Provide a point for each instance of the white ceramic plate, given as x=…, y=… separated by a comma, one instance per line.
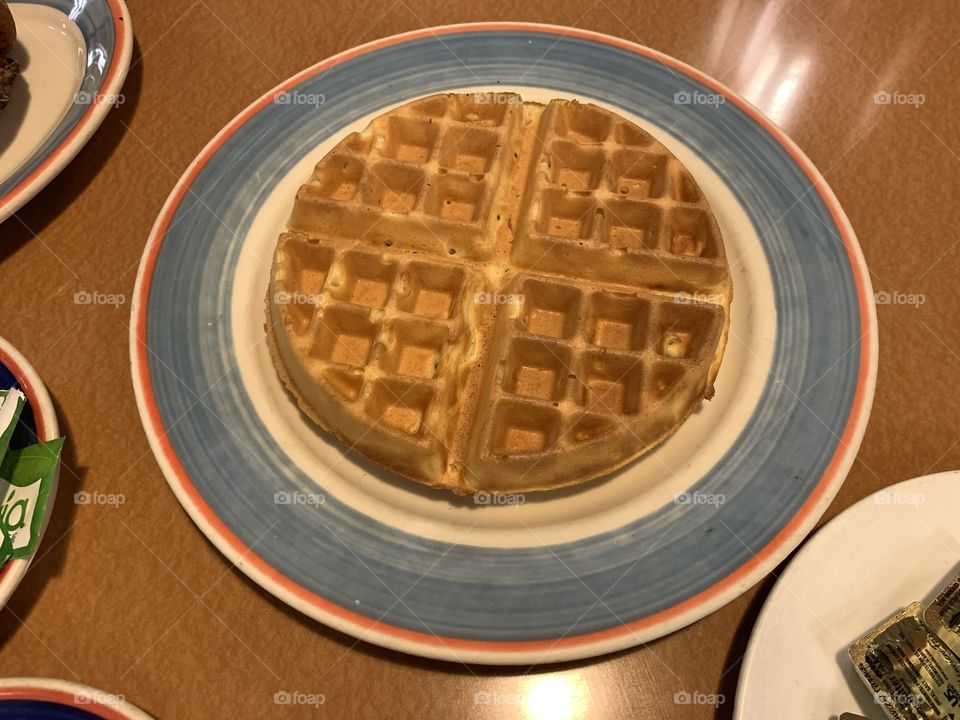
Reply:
x=74, y=57
x=566, y=574
x=898, y=545
x=52, y=53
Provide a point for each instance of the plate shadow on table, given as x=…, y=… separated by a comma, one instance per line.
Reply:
x=741, y=637
x=70, y=183
x=52, y=553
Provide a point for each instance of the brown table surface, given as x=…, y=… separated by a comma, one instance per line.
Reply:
x=135, y=601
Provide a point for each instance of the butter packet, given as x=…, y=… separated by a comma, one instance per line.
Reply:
x=943, y=616
x=913, y=674
x=26, y=477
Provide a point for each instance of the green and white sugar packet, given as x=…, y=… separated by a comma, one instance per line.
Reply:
x=26, y=476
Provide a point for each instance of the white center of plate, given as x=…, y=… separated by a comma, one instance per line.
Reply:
x=52, y=57
x=641, y=487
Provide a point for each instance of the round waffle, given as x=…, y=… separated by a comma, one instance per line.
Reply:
x=484, y=294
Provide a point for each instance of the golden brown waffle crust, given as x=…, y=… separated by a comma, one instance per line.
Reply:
x=307, y=409
x=500, y=296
